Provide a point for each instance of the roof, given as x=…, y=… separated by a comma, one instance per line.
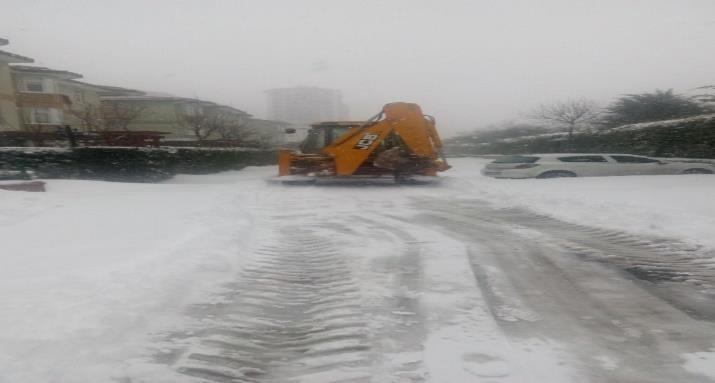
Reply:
x=145, y=97
x=237, y=111
x=149, y=97
x=116, y=91
x=302, y=89
x=97, y=88
x=67, y=75
x=13, y=58
x=270, y=121
x=158, y=94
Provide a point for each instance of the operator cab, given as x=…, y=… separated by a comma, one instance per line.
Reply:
x=322, y=134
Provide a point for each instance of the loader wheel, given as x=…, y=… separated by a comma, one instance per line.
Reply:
x=556, y=174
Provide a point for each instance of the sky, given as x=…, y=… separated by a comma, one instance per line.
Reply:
x=468, y=63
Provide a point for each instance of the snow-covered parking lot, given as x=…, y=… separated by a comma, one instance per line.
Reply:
x=225, y=278
x=672, y=206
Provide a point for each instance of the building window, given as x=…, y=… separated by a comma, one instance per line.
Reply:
x=41, y=116
x=34, y=86
x=44, y=116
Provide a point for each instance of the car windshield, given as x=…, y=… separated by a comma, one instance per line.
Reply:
x=526, y=193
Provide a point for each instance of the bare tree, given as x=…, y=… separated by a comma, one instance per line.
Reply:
x=118, y=116
x=570, y=113
x=201, y=123
x=110, y=116
x=35, y=132
x=204, y=119
x=90, y=118
x=230, y=128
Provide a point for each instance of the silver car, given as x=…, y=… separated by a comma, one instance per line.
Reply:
x=588, y=165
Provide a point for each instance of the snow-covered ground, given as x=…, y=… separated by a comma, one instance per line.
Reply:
x=88, y=268
x=97, y=279
x=673, y=206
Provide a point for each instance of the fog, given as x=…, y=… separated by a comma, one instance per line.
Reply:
x=469, y=63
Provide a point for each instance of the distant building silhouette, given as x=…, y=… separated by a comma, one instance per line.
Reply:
x=303, y=106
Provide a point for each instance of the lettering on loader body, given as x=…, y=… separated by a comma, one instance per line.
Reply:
x=366, y=141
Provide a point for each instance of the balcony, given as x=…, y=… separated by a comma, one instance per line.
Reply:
x=43, y=100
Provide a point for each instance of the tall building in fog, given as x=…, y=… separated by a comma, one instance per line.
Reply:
x=303, y=106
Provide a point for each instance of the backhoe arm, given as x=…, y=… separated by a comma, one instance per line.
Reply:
x=404, y=119
x=352, y=149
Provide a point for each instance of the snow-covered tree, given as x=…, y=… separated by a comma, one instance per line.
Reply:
x=646, y=107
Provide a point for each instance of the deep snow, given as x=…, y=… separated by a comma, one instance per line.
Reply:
x=89, y=271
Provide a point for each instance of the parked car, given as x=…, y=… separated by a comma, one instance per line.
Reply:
x=588, y=165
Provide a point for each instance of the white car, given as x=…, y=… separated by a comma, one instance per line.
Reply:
x=588, y=165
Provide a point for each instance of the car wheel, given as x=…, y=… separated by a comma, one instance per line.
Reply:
x=556, y=174
x=697, y=171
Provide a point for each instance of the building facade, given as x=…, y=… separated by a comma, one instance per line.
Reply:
x=37, y=104
x=9, y=116
x=176, y=117
x=50, y=99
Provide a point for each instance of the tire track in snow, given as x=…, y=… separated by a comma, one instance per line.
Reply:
x=451, y=337
x=397, y=320
x=293, y=315
x=682, y=269
x=575, y=278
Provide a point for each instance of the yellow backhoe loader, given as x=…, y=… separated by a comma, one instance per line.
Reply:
x=399, y=144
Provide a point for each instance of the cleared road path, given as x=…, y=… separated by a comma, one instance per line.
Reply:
x=427, y=285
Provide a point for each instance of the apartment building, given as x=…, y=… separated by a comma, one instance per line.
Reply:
x=9, y=117
x=49, y=99
x=36, y=101
x=174, y=116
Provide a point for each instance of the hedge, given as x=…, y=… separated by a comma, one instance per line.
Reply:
x=130, y=164
x=693, y=139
